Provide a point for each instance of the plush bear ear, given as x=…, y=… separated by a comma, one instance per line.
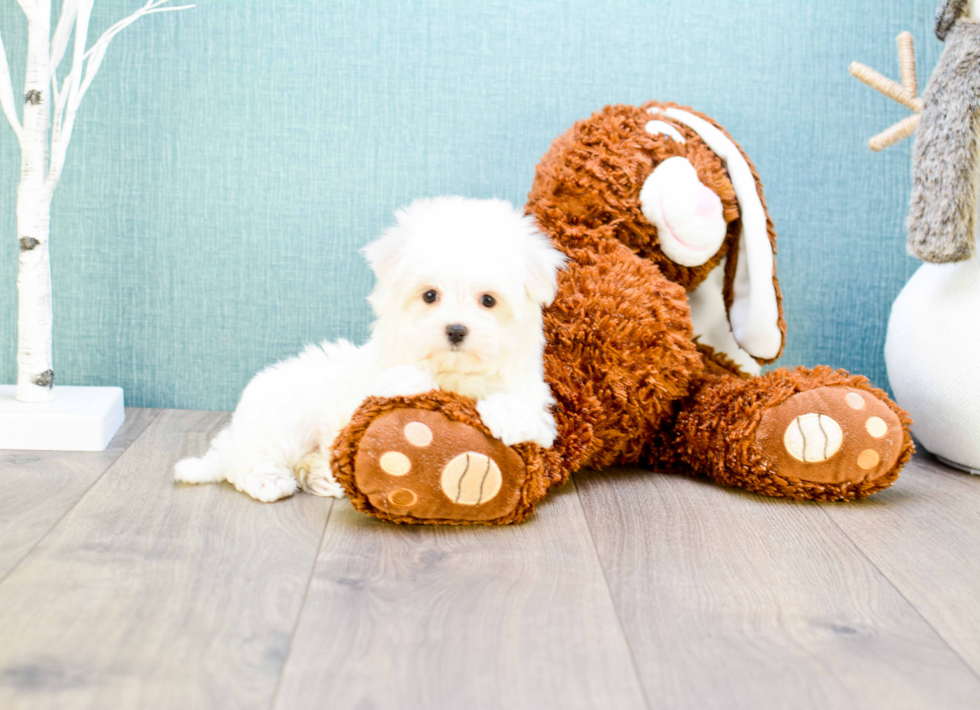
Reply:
x=542, y=262
x=751, y=289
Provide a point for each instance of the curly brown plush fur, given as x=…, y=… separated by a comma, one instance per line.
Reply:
x=619, y=353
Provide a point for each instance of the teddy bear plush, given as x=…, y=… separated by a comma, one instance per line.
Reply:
x=666, y=312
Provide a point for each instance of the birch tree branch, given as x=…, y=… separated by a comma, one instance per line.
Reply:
x=81, y=12
x=7, y=93
x=95, y=55
x=59, y=42
x=29, y=7
x=85, y=65
x=83, y=15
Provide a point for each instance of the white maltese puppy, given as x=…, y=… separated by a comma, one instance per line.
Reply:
x=460, y=288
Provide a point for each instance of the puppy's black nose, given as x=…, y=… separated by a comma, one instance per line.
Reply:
x=456, y=332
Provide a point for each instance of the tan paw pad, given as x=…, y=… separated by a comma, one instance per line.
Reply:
x=876, y=427
x=471, y=479
x=395, y=463
x=402, y=498
x=812, y=438
x=868, y=458
x=418, y=434
x=854, y=400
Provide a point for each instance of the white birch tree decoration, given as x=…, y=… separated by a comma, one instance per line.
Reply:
x=49, y=111
x=81, y=418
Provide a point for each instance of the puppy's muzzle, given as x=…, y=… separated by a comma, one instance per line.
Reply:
x=456, y=332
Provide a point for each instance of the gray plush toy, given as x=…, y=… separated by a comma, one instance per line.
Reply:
x=942, y=216
x=933, y=346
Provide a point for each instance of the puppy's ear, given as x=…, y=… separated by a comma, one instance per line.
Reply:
x=382, y=254
x=542, y=263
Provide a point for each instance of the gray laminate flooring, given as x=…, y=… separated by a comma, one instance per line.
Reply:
x=627, y=589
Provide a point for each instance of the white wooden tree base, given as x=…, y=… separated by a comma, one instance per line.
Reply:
x=78, y=419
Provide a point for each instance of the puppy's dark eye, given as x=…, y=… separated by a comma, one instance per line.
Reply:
x=430, y=296
x=488, y=301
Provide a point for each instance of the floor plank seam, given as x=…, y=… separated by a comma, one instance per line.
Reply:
x=302, y=608
x=900, y=593
x=82, y=497
x=612, y=600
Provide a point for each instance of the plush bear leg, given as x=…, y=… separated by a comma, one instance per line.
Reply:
x=430, y=460
x=813, y=434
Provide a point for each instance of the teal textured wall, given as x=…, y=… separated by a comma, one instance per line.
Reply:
x=230, y=160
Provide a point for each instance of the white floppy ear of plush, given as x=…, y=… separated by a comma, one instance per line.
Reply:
x=754, y=314
x=542, y=263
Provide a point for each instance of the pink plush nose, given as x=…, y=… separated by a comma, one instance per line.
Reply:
x=708, y=204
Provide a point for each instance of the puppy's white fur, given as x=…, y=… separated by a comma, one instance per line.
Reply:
x=462, y=249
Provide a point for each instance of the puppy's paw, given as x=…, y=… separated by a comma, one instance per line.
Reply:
x=314, y=476
x=267, y=483
x=514, y=419
x=403, y=381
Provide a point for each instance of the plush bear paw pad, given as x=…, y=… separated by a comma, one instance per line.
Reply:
x=471, y=479
x=832, y=434
x=415, y=463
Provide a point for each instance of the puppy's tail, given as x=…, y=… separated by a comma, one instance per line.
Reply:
x=203, y=470
x=209, y=468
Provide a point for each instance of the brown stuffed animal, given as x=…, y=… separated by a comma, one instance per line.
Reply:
x=665, y=313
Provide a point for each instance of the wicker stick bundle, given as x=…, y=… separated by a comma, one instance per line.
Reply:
x=905, y=93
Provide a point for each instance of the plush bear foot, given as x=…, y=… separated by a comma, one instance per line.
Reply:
x=831, y=435
x=808, y=434
x=431, y=464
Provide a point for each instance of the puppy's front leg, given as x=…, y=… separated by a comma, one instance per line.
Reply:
x=403, y=381
x=516, y=418
x=314, y=475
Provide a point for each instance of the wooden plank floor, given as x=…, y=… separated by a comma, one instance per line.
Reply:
x=628, y=589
